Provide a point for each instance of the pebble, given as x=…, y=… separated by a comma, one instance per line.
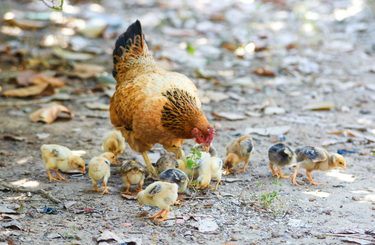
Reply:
x=297, y=235
x=373, y=207
x=300, y=182
x=275, y=234
x=312, y=199
x=126, y=225
x=321, y=236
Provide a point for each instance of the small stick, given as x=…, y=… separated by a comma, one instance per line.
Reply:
x=37, y=191
x=351, y=236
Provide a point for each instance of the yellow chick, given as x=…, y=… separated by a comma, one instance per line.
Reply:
x=209, y=168
x=314, y=158
x=60, y=157
x=114, y=142
x=165, y=162
x=238, y=151
x=159, y=194
x=132, y=172
x=99, y=169
x=280, y=155
x=182, y=163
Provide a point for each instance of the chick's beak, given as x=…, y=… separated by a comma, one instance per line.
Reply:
x=140, y=205
x=207, y=149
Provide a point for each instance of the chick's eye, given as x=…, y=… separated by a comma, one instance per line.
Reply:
x=340, y=162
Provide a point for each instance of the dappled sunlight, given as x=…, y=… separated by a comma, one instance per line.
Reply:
x=24, y=160
x=340, y=176
x=353, y=9
x=370, y=198
x=359, y=192
x=26, y=183
x=317, y=193
x=78, y=152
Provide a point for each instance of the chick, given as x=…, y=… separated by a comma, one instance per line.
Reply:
x=209, y=169
x=159, y=194
x=238, y=151
x=99, y=168
x=211, y=150
x=114, y=142
x=132, y=172
x=176, y=176
x=165, y=162
x=182, y=163
x=60, y=157
x=280, y=155
x=314, y=158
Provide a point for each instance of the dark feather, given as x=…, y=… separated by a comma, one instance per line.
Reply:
x=155, y=190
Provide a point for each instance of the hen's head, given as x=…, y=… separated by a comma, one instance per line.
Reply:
x=204, y=137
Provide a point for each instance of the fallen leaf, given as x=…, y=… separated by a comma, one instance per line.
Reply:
x=14, y=138
x=253, y=114
x=107, y=236
x=274, y=110
x=86, y=71
x=69, y=204
x=263, y=72
x=35, y=90
x=330, y=142
x=43, y=135
x=229, y=116
x=49, y=114
x=23, y=78
x=64, y=54
x=130, y=197
x=216, y=96
x=231, y=180
x=5, y=209
x=42, y=78
x=54, y=4
x=353, y=230
x=12, y=216
x=126, y=225
x=278, y=130
x=346, y=133
x=320, y=105
x=259, y=107
x=97, y=106
x=14, y=224
x=357, y=241
x=24, y=23
x=207, y=225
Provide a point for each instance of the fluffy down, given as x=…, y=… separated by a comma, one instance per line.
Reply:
x=238, y=150
x=280, y=155
x=99, y=169
x=132, y=173
x=176, y=176
x=209, y=169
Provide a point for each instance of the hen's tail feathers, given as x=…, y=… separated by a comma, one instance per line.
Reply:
x=130, y=46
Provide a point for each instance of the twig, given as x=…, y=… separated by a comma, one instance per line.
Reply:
x=351, y=236
x=37, y=191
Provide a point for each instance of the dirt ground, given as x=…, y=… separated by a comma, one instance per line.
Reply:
x=341, y=210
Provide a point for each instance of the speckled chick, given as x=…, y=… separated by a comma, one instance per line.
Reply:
x=314, y=158
x=99, y=169
x=165, y=162
x=209, y=169
x=159, y=194
x=132, y=172
x=60, y=157
x=176, y=176
x=238, y=150
x=280, y=155
x=114, y=142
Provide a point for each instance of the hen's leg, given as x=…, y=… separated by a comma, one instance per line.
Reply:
x=51, y=177
x=312, y=182
x=58, y=175
x=293, y=179
x=150, y=168
x=281, y=175
x=157, y=215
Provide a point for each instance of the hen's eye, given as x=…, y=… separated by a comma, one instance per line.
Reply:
x=201, y=136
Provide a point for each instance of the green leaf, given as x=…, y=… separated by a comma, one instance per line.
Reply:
x=190, y=164
x=54, y=4
x=190, y=49
x=199, y=154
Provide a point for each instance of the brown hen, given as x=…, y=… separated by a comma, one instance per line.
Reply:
x=151, y=105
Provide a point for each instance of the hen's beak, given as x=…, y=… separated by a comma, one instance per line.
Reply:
x=140, y=205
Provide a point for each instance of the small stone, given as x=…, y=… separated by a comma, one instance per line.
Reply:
x=373, y=207
x=321, y=236
x=157, y=222
x=312, y=199
x=297, y=235
x=142, y=214
x=275, y=234
x=300, y=182
x=107, y=226
x=75, y=243
x=233, y=239
x=356, y=199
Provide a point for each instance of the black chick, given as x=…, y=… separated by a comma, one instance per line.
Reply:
x=280, y=155
x=175, y=176
x=165, y=162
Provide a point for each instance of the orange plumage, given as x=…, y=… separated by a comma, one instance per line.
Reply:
x=151, y=105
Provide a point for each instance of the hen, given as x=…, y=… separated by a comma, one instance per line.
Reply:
x=151, y=105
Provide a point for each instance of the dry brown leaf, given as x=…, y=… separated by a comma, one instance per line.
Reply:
x=97, y=106
x=41, y=78
x=35, y=90
x=346, y=133
x=228, y=115
x=86, y=71
x=24, y=78
x=0, y=89
x=26, y=24
x=49, y=114
x=229, y=46
x=263, y=72
x=320, y=105
x=253, y=114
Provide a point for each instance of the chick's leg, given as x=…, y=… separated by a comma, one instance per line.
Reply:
x=150, y=168
x=140, y=187
x=312, y=182
x=51, y=177
x=281, y=175
x=273, y=170
x=215, y=188
x=157, y=215
x=96, y=186
x=243, y=169
x=105, y=188
x=166, y=214
x=127, y=183
x=293, y=179
x=58, y=175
